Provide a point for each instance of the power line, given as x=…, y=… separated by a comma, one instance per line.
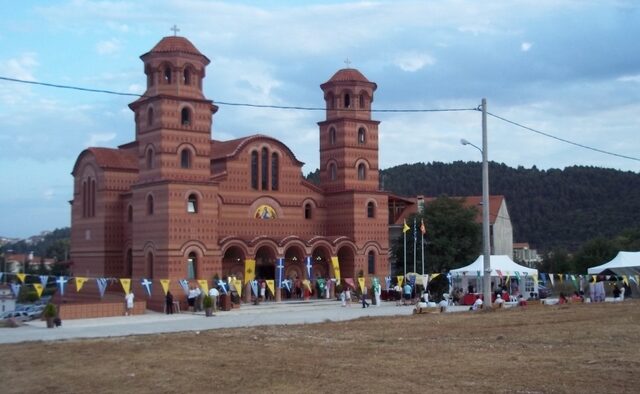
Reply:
x=300, y=108
x=562, y=139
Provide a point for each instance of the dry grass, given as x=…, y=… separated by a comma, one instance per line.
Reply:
x=576, y=348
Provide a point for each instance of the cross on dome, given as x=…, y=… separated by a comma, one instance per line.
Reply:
x=347, y=62
x=175, y=30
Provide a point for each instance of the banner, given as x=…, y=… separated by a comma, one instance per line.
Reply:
x=204, y=285
x=21, y=277
x=126, y=285
x=165, y=285
x=80, y=282
x=146, y=283
x=254, y=287
x=185, y=286
x=237, y=284
x=15, y=288
x=400, y=278
x=361, y=283
x=287, y=285
x=279, y=272
x=61, y=281
x=336, y=267
x=433, y=276
x=39, y=288
x=271, y=285
x=43, y=279
x=222, y=286
x=551, y=279
x=309, y=268
x=249, y=270
x=625, y=280
x=102, y=285
x=387, y=282
x=306, y=283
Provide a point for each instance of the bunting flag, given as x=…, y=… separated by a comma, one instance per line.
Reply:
x=412, y=280
x=625, y=280
x=204, y=285
x=80, y=282
x=449, y=276
x=543, y=278
x=508, y=280
x=425, y=280
x=336, y=267
x=517, y=276
x=249, y=270
x=146, y=283
x=222, y=286
x=350, y=283
x=361, y=283
x=320, y=283
x=21, y=277
x=405, y=228
x=309, y=268
x=575, y=281
x=400, y=278
x=423, y=229
x=61, y=281
x=279, y=273
x=43, y=279
x=535, y=278
x=39, y=289
x=254, y=287
x=287, y=284
x=1, y=273
x=271, y=286
x=185, y=286
x=433, y=276
x=560, y=278
x=499, y=272
x=102, y=286
x=637, y=279
x=165, y=285
x=551, y=280
x=594, y=278
x=306, y=283
x=376, y=284
x=15, y=288
x=387, y=282
x=126, y=285
x=237, y=284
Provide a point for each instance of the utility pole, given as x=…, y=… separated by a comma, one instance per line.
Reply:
x=485, y=211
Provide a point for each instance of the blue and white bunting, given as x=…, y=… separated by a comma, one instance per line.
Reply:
x=279, y=273
x=102, y=285
x=254, y=287
x=185, y=286
x=15, y=288
x=387, y=282
x=309, y=268
x=287, y=284
x=146, y=283
x=43, y=280
x=222, y=286
x=61, y=281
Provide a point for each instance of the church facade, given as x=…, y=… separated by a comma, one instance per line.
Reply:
x=177, y=204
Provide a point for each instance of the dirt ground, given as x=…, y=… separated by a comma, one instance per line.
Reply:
x=590, y=348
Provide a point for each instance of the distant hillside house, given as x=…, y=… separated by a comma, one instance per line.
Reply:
x=501, y=231
x=523, y=254
x=17, y=263
x=7, y=300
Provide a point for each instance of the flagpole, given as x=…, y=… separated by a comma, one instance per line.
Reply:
x=405, y=250
x=415, y=239
x=422, y=243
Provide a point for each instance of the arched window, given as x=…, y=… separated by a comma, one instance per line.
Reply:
x=371, y=260
x=149, y=205
x=332, y=171
x=185, y=116
x=361, y=100
x=150, y=77
x=167, y=75
x=371, y=210
x=192, y=266
x=362, y=172
x=129, y=269
x=307, y=211
x=362, y=135
x=347, y=101
x=150, y=116
x=192, y=203
x=274, y=171
x=149, y=267
x=92, y=198
x=265, y=169
x=186, y=76
x=185, y=158
x=85, y=199
x=332, y=136
x=149, y=158
x=332, y=102
x=254, y=170
x=130, y=214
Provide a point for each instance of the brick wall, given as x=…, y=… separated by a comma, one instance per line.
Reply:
x=100, y=309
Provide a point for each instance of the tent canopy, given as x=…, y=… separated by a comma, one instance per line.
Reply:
x=625, y=263
x=504, y=264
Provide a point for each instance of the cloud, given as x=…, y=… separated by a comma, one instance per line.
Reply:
x=21, y=67
x=48, y=194
x=98, y=139
x=629, y=78
x=525, y=46
x=413, y=61
x=108, y=47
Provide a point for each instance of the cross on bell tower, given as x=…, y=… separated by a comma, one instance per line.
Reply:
x=175, y=30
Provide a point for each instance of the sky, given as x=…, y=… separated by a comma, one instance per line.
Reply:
x=568, y=68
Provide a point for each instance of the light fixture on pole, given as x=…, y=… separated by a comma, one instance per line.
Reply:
x=486, y=242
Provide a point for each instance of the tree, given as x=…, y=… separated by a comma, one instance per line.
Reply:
x=453, y=238
x=595, y=252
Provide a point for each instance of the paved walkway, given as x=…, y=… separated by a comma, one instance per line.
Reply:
x=302, y=312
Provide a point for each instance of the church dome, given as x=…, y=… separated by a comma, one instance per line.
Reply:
x=348, y=75
x=175, y=44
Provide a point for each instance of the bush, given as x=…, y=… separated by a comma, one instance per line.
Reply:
x=207, y=302
x=50, y=311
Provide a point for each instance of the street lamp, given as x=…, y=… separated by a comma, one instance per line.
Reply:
x=486, y=242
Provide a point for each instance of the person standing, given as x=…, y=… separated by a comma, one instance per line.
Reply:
x=169, y=303
x=377, y=291
x=191, y=299
x=365, y=304
x=128, y=299
x=263, y=291
x=347, y=295
x=343, y=297
x=407, y=293
x=214, y=293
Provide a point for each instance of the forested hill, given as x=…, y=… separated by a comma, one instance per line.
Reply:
x=548, y=208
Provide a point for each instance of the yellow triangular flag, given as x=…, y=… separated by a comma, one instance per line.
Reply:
x=307, y=284
x=21, y=277
x=400, y=278
x=361, y=282
x=625, y=280
x=336, y=267
x=405, y=228
x=126, y=285
x=560, y=278
x=204, y=285
x=535, y=278
x=80, y=282
x=595, y=278
x=39, y=288
x=270, y=285
x=165, y=285
x=249, y=270
x=237, y=283
x=433, y=276
x=637, y=280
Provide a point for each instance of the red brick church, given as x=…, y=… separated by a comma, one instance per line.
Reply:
x=175, y=203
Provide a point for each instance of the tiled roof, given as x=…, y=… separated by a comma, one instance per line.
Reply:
x=348, y=75
x=495, y=202
x=175, y=44
x=114, y=158
x=226, y=149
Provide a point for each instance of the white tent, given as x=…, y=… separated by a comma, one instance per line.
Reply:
x=625, y=263
x=504, y=264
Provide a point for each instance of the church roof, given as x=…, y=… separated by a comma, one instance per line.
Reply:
x=114, y=158
x=225, y=149
x=348, y=75
x=175, y=44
